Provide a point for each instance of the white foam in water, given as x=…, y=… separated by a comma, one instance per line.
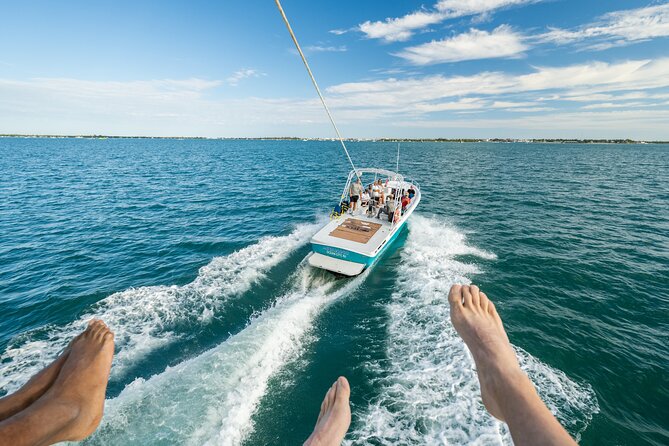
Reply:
x=211, y=399
x=143, y=318
x=429, y=392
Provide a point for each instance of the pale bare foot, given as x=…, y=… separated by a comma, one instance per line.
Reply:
x=32, y=390
x=476, y=320
x=334, y=418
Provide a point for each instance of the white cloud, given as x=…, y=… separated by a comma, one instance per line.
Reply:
x=242, y=74
x=638, y=124
x=472, y=45
x=461, y=104
x=187, y=107
x=598, y=77
x=530, y=109
x=587, y=97
x=460, y=8
x=150, y=108
x=616, y=28
x=395, y=29
x=400, y=28
x=509, y=104
x=619, y=105
x=325, y=49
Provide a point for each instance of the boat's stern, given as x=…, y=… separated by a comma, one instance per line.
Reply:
x=339, y=266
x=336, y=247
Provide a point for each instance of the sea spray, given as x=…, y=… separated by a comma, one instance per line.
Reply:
x=144, y=319
x=211, y=399
x=428, y=392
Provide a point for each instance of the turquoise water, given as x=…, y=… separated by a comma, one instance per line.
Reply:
x=193, y=252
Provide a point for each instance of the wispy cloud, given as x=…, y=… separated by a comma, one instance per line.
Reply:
x=394, y=29
x=476, y=44
x=325, y=49
x=511, y=104
x=242, y=74
x=615, y=29
x=603, y=124
x=545, y=98
x=597, y=77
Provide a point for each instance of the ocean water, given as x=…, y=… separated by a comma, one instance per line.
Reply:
x=193, y=252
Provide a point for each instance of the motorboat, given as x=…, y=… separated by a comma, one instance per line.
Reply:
x=354, y=239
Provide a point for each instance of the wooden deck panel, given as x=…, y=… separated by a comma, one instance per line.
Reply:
x=356, y=230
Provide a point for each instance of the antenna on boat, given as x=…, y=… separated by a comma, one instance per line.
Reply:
x=318, y=90
x=398, y=157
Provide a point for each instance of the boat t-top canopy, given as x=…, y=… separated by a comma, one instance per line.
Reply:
x=382, y=172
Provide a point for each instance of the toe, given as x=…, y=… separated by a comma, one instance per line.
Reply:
x=343, y=389
x=467, y=297
x=103, y=332
x=491, y=308
x=485, y=302
x=108, y=336
x=476, y=298
x=97, y=332
x=455, y=296
x=329, y=398
x=91, y=327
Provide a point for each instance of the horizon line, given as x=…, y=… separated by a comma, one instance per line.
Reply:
x=379, y=139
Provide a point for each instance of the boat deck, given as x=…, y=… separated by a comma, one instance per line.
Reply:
x=356, y=230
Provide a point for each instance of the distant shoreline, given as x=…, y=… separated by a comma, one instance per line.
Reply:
x=295, y=138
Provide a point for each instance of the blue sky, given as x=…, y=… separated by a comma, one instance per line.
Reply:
x=443, y=68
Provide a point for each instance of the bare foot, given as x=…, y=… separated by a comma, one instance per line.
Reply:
x=334, y=418
x=476, y=320
x=82, y=382
x=33, y=389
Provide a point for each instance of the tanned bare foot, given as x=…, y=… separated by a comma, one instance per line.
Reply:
x=71, y=408
x=82, y=381
x=33, y=389
x=334, y=418
x=476, y=320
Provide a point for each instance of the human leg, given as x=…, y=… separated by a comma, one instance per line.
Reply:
x=32, y=390
x=507, y=392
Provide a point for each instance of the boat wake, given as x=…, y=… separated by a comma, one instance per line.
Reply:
x=427, y=387
x=146, y=318
x=211, y=399
x=428, y=392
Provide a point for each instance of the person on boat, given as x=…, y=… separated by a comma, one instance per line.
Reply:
x=364, y=199
x=355, y=192
x=64, y=401
x=412, y=193
x=388, y=208
x=405, y=201
x=378, y=192
x=506, y=391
